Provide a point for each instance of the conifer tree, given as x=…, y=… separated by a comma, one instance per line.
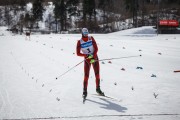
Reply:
x=106, y=6
x=62, y=8
x=88, y=9
x=22, y=3
x=60, y=12
x=38, y=10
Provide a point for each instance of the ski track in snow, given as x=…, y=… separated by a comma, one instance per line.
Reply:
x=2, y=103
x=139, y=116
x=6, y=103
x=9, y=103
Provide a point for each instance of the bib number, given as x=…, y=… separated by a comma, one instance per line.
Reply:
x=88, y=50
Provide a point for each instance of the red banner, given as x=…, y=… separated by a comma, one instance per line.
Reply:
x=173, y=23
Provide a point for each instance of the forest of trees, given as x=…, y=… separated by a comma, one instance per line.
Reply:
x=88, y=12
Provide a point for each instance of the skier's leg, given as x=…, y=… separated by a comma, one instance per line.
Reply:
x=96, y=72
x=87, y=67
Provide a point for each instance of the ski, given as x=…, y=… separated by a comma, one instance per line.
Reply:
x=105, y=96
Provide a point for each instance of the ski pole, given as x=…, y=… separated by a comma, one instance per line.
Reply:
x=95, y=61
x=118, y=58
x=70, y=69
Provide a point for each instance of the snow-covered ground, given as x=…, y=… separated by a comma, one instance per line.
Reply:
x=29, y=90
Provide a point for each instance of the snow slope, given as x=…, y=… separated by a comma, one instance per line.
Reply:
x=29, y=90
x=139, y=30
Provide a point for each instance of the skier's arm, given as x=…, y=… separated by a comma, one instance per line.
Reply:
x=78, y=50
x=95, y=47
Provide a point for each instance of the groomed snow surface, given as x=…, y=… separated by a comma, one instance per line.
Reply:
x=143, y=87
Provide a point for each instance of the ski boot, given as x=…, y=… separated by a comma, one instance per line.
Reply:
x=98, y=90
x=84, y=96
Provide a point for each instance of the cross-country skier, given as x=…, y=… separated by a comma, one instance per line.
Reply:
x=87, y=48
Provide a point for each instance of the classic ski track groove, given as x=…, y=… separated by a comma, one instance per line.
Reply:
x=3, y=102
x=9, y=102
x=96, y=116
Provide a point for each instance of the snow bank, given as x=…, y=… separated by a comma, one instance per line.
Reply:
x=140, y=30
x=3, y=31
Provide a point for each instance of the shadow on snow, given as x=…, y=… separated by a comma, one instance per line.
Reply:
x=109, y=105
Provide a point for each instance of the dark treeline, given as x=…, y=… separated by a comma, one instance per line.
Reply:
x=94, y=14
x=18, y=2
x=10, y=2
